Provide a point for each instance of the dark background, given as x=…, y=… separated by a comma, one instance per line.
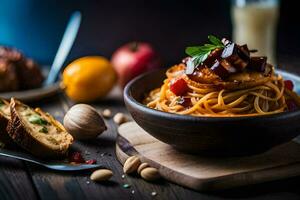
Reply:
x=167, y=24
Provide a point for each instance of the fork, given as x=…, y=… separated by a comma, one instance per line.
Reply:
x=48, y=164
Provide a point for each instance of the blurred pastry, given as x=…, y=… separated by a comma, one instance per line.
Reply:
x=18, y=72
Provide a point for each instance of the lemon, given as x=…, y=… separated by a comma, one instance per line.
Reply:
x=88, y=78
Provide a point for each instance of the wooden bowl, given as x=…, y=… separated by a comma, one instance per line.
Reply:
x=208, y=135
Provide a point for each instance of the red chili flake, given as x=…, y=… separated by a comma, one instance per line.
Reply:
x=76, y=157
x=91, y=161
x=184, y=101
x=291, y=105
x=179, y=87
x=288, y=84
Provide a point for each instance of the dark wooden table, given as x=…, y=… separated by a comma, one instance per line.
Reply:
x=21, y=180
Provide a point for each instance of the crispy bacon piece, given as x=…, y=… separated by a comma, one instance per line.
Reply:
x=204, y=75
x=220, y=69
x=236, y=56
x=224, y=65
x=91, y=161
x=213, y=56
x=258, y=63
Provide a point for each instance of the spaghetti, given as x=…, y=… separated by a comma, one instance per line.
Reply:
x=222, y=79
x=265, y=95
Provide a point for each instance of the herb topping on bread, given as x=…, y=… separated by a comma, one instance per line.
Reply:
x=37, y=132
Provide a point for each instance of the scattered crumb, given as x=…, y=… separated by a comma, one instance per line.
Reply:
x=120, y=118
x=91, y=161
x=123, y=176
x=106, y=113
x=132, y=191
x=153, y=193
x=88, y=182
x=103, y=154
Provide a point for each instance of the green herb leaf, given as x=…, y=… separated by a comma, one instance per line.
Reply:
x=1, y=103
x=200, y=53
x=214, y=40
x=35, y=119
x=192, y=51
x=43, y=130
x=197, y=60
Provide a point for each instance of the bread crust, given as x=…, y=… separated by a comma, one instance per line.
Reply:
x=4, y=137
x=21, y=135
x=3, y=133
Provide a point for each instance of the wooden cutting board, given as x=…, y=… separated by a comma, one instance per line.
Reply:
x=207, y=173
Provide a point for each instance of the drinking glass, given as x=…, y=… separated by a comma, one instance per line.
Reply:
x=255, y=23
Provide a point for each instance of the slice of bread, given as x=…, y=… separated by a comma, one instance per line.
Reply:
x=37, y=132
x=5, y=140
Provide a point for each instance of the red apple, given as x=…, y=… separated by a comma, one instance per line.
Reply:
x=132, y=59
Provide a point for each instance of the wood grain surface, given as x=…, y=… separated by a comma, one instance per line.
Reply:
x=208, y=173
x=15, y=181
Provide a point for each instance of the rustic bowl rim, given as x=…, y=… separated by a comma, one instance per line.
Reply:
x=128, y=98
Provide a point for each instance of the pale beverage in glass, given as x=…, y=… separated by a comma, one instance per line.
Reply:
x=255, y=24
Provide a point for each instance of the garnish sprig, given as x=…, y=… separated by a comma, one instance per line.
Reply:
x=200, y=53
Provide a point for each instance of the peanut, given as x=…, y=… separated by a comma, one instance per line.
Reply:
x=120, y=118
x=150, y=174
x=141, y=167
x=131, y=164
x=101, y=175
x=106, y=113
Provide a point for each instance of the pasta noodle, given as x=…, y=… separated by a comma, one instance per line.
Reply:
x=268, y=97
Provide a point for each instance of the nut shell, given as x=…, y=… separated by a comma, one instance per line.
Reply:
x=131, y=164
x=120, y=118
x=141, y=167
x=84, y=122
x=107, y=113
x=101, y=175
x=150, y=174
